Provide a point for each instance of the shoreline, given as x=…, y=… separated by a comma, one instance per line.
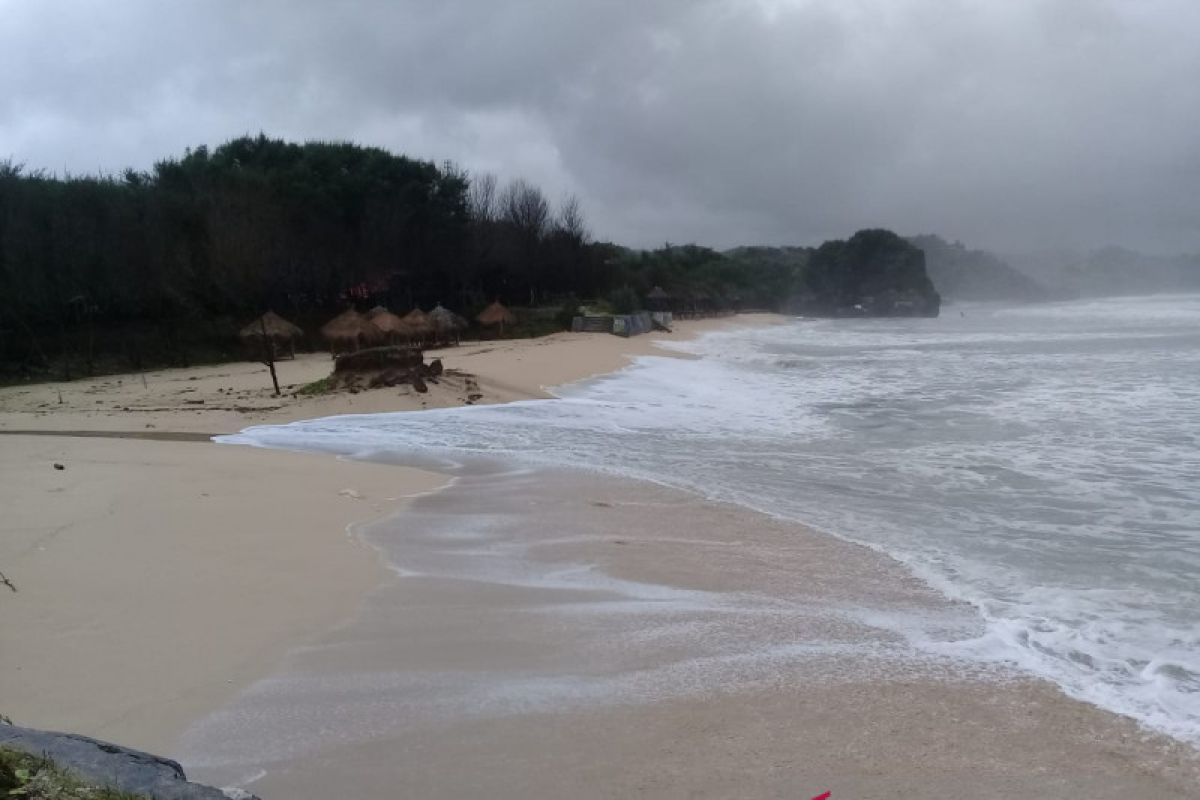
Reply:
x=225, y=398
x=542, y=614
x=1115, y=740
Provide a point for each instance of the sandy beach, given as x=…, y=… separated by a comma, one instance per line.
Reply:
x=158, y=573
x=541, y=634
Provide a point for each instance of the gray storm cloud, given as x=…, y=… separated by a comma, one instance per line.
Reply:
x=1007, y=123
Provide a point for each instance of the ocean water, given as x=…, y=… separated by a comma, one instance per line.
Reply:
x=1041, y=463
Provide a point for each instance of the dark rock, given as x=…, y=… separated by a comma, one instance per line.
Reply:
x=110, y=765
x=380, y=358
x=435, y=368
x=419, y=384
x=874, y=273
x=389, y=377
x=59, y=466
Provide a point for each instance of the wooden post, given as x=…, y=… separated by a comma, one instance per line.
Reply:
x=269, y=354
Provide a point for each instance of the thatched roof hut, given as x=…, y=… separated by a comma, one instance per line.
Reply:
x=281, y=333
x=390, y=325
x=496, y=314
x=278, y=329
x=418, y=321
x=447, y=325
x=350, y=331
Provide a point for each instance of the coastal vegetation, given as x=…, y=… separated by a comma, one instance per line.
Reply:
x=166, y=266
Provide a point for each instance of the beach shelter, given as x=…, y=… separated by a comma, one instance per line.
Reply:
x=279, y=332
x=496, y=314
x=390, y=325
x=446, y=324
x=350, y=331
x=420, y=325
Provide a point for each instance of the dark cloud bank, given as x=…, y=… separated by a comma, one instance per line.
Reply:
x=1012, y=124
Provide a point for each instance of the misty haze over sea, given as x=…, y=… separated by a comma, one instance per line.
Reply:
x=1040, y=462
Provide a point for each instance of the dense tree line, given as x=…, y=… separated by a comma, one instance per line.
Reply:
x=162, y=267
x=151, y=266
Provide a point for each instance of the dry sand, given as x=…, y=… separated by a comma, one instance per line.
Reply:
x=154, y=579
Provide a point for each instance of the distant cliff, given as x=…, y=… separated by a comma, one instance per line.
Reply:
x=1112, y=271
x=962, y=274
x=873, y=273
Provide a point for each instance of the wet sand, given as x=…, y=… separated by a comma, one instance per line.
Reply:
x=558, y=634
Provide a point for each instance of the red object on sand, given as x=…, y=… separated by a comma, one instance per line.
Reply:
x=823, y=796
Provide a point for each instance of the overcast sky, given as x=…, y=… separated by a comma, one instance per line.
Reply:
x=1010, y=124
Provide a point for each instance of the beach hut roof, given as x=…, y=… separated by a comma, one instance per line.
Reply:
x=496, y=314
x=445, y=320
x=388, y=323
x=350, y=325
x=277, y=327
x=657, y=293
x=419, y=321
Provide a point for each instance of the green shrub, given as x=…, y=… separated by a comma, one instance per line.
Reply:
x=319, y=387
x=624, y=300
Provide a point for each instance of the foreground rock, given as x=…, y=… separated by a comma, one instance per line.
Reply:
x=113, y=766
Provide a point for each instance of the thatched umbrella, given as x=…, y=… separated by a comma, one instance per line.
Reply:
x=420, y=325
x=281, y=333
x=446, y=323
x=392, y=326
x=496, y=314
x=349, y=331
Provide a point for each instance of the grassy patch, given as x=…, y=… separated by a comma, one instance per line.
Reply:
x=316, y=388
x=36, y=778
